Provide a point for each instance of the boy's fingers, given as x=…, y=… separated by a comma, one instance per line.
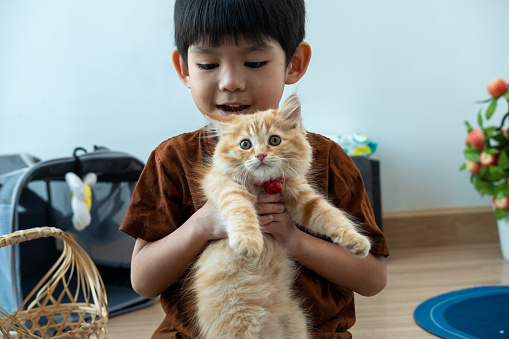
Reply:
x=265, y=219
x=268, y=198
x=262, y=208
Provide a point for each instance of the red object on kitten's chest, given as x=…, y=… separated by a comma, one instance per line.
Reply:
x=274, y=186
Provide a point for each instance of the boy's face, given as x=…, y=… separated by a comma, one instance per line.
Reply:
x=235, y=78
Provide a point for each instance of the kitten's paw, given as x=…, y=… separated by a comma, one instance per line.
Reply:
x=249, y=246
x=355, y=243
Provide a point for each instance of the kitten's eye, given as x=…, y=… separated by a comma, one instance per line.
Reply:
x=245, y=144
x=274, y=140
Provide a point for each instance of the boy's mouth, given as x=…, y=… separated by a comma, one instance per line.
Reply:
x=233, y=109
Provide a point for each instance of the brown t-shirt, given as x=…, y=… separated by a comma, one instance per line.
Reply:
x=167, y=194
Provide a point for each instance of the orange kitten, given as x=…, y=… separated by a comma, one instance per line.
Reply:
x=243, y=284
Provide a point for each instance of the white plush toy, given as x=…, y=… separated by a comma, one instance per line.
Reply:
x=81, y=199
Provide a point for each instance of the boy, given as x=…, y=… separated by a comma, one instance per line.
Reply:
x=236, y=56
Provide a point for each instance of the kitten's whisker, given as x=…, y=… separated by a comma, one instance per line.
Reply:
x=285, y=167
x=240, y=174
x=292, y=159
x=237, y=175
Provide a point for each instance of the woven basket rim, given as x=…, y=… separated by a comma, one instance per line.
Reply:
x=73, y=262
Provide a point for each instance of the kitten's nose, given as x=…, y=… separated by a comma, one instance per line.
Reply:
x=261, y=156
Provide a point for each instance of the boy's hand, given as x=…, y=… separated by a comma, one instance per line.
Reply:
x=212, y=226
x=274, y=220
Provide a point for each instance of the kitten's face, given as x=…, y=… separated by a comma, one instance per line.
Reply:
x=263, y=146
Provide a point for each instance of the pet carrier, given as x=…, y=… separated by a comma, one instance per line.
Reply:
x=35, y=193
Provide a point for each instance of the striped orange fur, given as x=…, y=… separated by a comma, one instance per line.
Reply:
x=243, y=284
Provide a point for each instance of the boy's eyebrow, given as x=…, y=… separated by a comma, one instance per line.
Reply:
x=200, y=50
x=210, y=50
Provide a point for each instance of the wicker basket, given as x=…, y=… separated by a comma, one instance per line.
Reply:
x=54, y=309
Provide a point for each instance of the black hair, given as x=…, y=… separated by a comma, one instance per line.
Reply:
x=214, y=22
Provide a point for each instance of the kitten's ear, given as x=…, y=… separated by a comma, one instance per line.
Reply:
x=291, y=108
x=219, y=122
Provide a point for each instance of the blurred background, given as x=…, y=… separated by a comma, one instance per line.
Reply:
x=404, y=73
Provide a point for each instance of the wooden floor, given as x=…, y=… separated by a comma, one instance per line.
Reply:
x=415, y=275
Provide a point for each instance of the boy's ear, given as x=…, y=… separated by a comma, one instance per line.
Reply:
x=299, y=63
x=180, y=67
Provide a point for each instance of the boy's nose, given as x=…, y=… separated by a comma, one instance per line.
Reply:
x=232, y=81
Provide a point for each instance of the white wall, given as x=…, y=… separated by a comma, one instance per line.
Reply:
x=405, y=73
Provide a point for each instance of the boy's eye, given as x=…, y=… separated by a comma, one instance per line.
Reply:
x=207, y=67
x=255, y=64
x=245, y=144
x=274, y=140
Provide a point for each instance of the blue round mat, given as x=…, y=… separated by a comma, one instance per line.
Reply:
x=481, y=312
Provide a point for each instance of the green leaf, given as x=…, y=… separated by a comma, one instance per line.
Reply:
x=469, y=127
x=463, y=167
x=498, y=137
x=472, y=153
x=506, y=95
x=503, y=160
x=483, y=172
x=483, y=101
x=484, y=187
x=491, y=109
x=501, y=214
x=496, y=173
x=489, y=131
x=501, y=191
x=491, y=150
x=479, y=118
x=473, y=179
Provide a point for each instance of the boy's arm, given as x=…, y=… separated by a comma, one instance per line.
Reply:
x=157, y=265
x=366, y=276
